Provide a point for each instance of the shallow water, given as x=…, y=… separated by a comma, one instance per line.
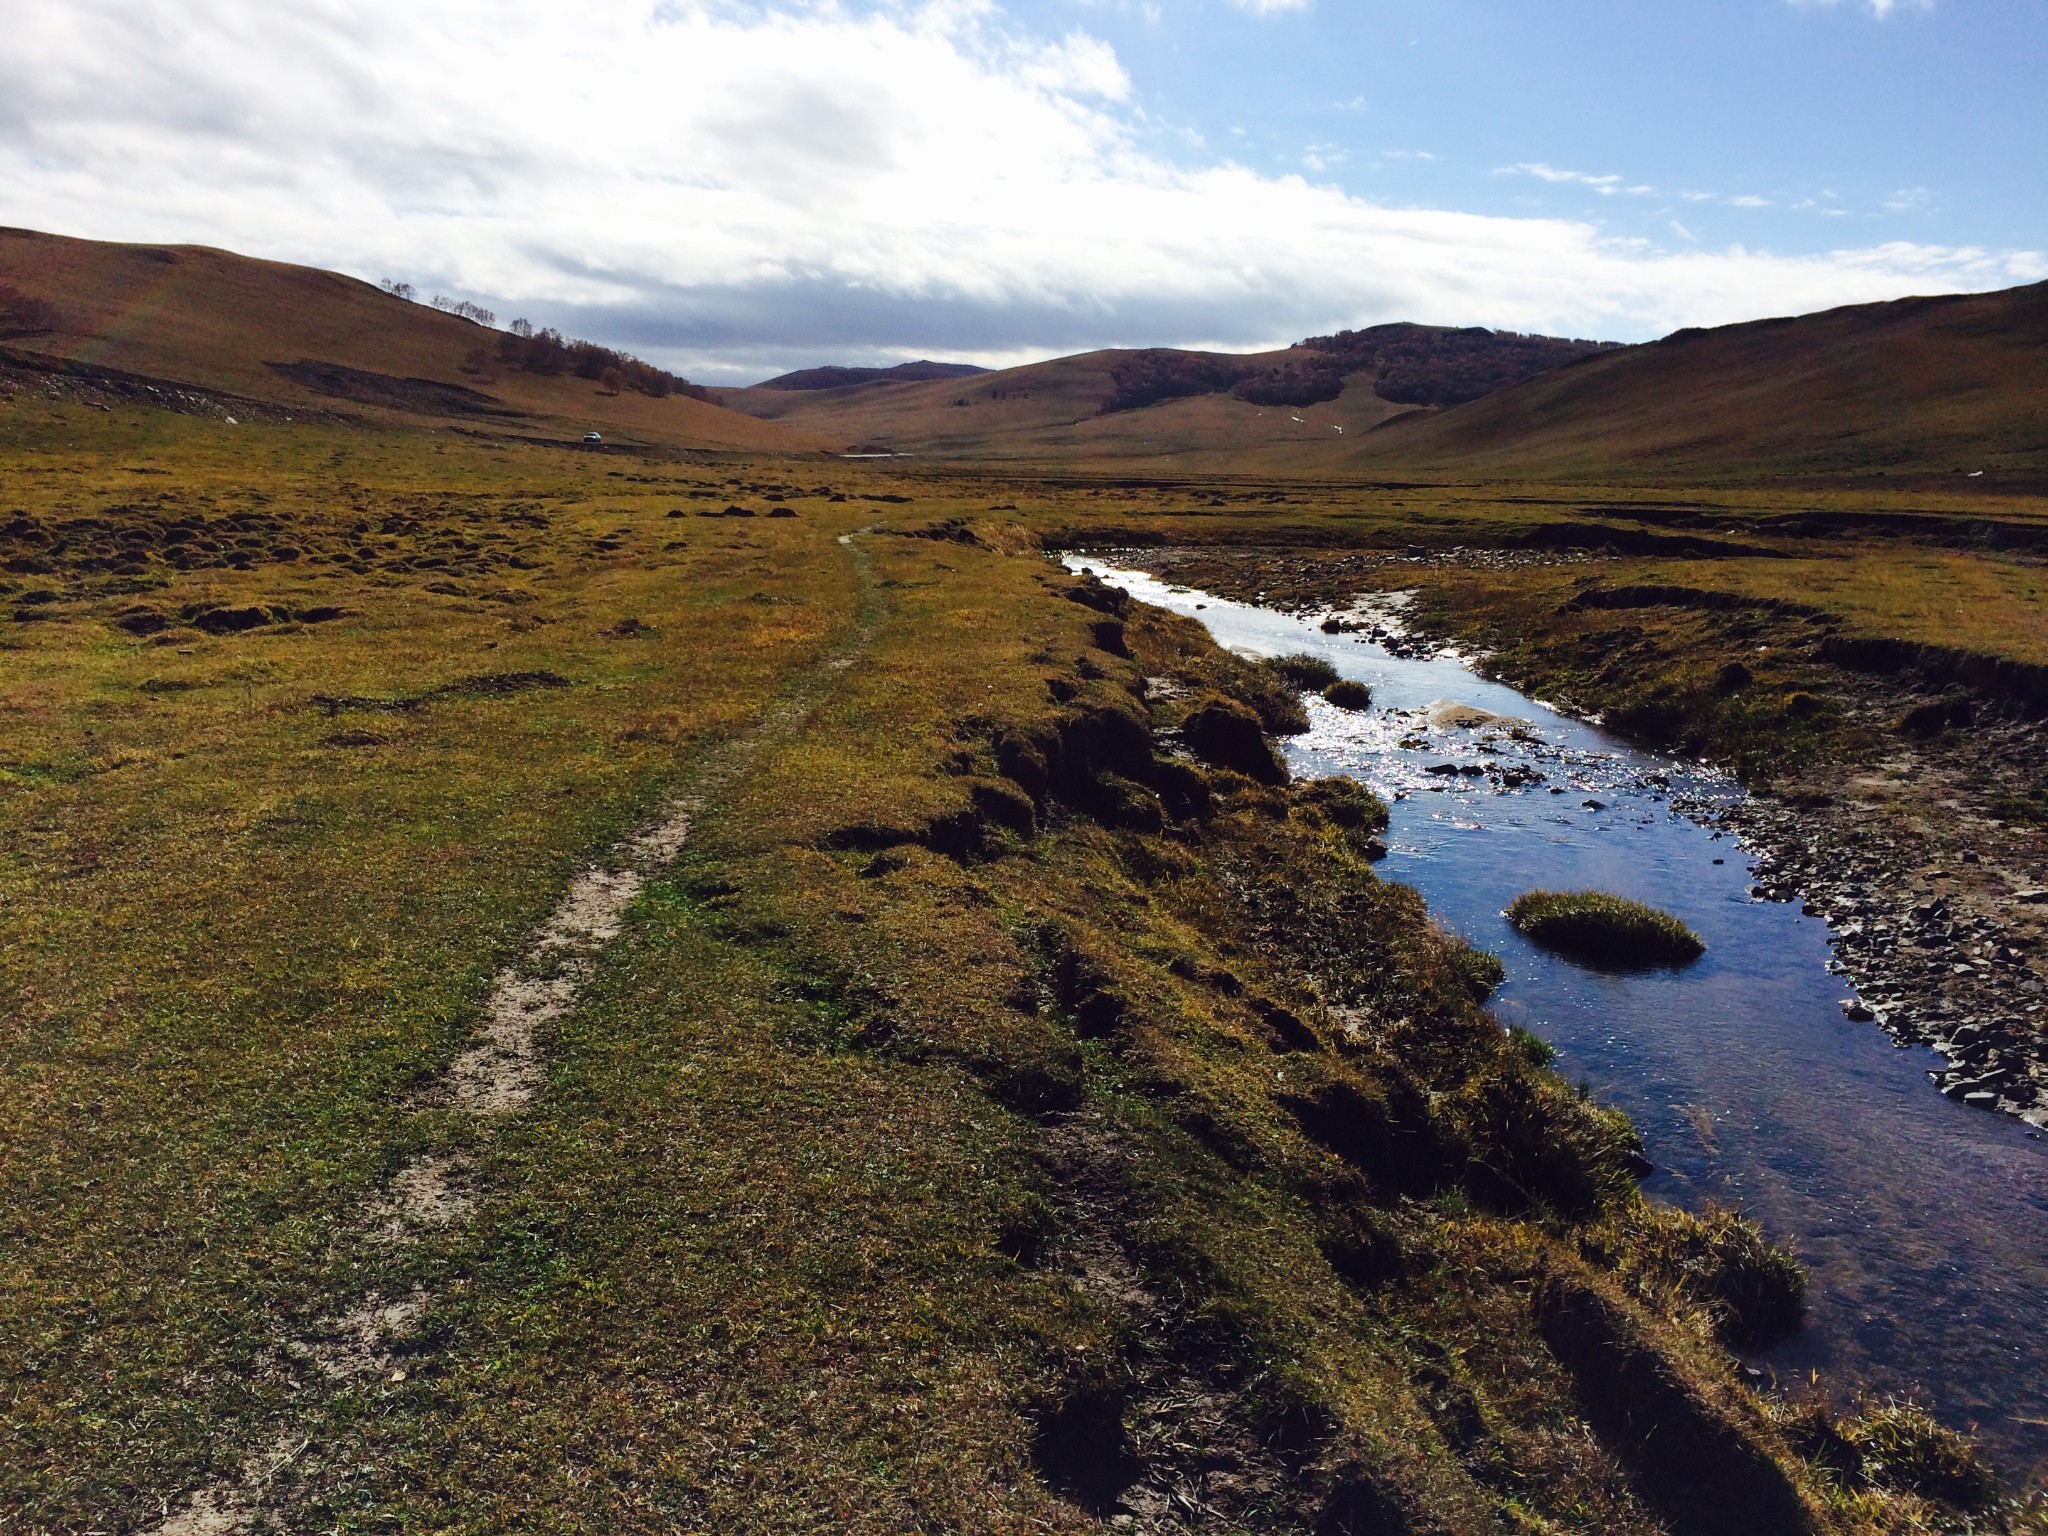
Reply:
x=1923, y=1223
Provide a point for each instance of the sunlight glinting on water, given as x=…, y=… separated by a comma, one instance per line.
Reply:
x=1924, y=1224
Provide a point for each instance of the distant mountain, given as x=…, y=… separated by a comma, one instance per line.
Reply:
x=1430, y=365
x=1947, y=385
x=1300, y=404
x=829, y=377
x=1409, y=365
x=161, y=322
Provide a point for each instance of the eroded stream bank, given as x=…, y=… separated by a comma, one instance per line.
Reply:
x=1924, y=1222
x=1902, y=804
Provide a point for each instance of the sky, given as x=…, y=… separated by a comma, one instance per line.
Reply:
x=737, y=187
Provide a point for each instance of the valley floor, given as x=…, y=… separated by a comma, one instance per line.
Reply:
x=559, y=991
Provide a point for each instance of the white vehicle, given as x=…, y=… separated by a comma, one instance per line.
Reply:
x=593, y=437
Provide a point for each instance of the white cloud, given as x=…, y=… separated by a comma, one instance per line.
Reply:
x=1271, y=7
x=1606, y=186
x=1878, y=8
x=732, y=187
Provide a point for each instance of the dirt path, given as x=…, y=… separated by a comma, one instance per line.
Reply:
x=494, y=1079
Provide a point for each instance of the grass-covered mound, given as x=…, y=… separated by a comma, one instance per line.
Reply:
x=1891, y=1445
x=1752, y=1292
x=1604, y=929
x=1304, y=670
x=1346, y=694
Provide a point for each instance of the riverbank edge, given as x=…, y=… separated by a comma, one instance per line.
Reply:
x=1898, y=894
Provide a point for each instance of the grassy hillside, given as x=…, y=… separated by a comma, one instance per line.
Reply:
x=245, y=328
x=833, y=377
x=1297, y=407
x=1919, y=387
x=967, y=1108
x=1051, y=413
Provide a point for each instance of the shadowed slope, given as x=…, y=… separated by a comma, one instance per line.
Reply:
x=303, y=338
x=834, y=377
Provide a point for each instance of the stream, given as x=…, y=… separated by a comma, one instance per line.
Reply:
x=1923, y=1223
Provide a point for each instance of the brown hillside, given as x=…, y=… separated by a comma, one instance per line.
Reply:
x=301, y=337
x=1297, y=408
x=1918, y=386
x=832, y=377
x=1052, y=412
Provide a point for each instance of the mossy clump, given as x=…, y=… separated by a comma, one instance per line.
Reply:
x=1603, y=929
x=1224, y=734
x=1480, y=972
x=1270, y=693
x=1344, y=801
x=1891, y=1445
x=1304, y=670
x=1346, y=694
x=1717, y=1260
x=1904, y=1448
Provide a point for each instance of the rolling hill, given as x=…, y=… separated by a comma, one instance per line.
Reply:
x=138, y=318
x=832, y=377
x=1918, y=386
x=1300, y=406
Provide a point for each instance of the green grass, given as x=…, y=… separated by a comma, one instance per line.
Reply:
x=1758, y=578
x=1753, y=1293
x=978, y=1061
x=1305, y=671
x=1603, y=929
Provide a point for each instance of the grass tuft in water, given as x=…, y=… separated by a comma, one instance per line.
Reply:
x=1603, y=929
x=1346, y=694
x=1304, y=670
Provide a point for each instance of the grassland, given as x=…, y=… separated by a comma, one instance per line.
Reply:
x=1631, y=602
x=993, y=1119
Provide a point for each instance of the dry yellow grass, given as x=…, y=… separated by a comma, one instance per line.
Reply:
x=215, y=320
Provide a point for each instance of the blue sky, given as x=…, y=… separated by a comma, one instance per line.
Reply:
x=734, y=187
x=1793, y=126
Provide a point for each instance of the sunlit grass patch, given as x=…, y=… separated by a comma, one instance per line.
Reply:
x=1754, y=1292
x=1890, y=1445
x=1603, y=929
